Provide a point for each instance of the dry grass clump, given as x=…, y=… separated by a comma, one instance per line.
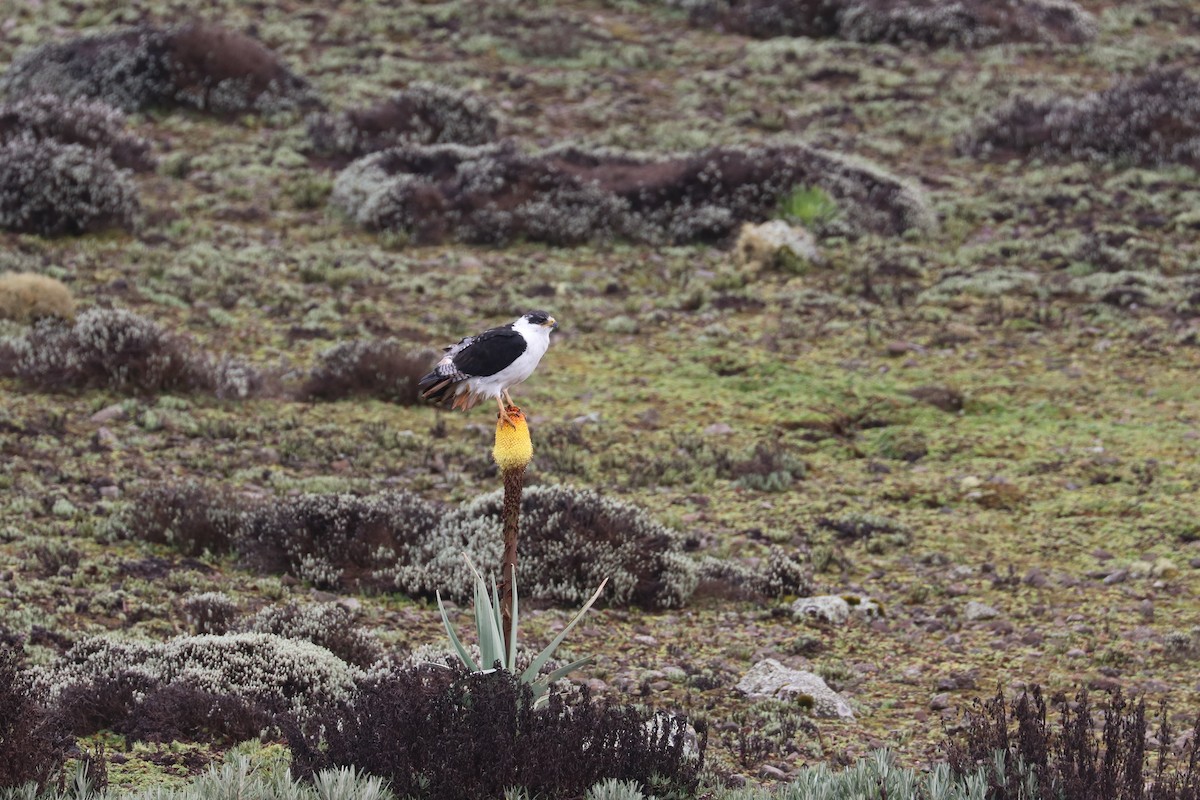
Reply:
x=54, y=189
x=199, y=65
x=87, y=123
x=422, y=113
x=380, y=368
x=929, y=23
x=495, y=194
x=119, y=350
x=29, y=297
x=436, y=732
x=1152, y=120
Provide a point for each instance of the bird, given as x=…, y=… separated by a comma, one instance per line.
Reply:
x=488, y=364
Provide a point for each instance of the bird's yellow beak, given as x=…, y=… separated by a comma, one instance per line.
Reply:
x=551, y=323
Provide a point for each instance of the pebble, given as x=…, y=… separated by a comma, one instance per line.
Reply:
x=976, y=610
x=940, y=701
x=105, y=438
x=718, y=429
x=1116, y=577
x=1075, y=652
x=110, y=492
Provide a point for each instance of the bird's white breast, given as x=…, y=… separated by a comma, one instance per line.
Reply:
x=537, y=340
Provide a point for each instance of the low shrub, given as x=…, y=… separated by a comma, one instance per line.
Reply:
x=327, y=625
x=495, y=194
x=1152, y=120
x=34, y=745
x=107, y=683
x=200, y=65
x=87, y=123
x=119, y=350
x=54, y=189
x=186, y=515
x=571, y=540
x=422, y=113
x=28, y=297
x=380, y=368
x=211, y=612
x=921, y=23
x=436, y=732
x=336, y=541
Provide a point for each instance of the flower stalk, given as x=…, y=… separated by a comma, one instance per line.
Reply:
x=513, y=451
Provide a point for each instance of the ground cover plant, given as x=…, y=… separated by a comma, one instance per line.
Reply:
x=962, y=427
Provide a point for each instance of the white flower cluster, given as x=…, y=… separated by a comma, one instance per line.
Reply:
x=287, y=675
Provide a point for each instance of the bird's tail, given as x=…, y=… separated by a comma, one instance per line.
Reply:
x=446, y=390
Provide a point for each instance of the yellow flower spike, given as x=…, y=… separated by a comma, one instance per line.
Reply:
x=514, y=448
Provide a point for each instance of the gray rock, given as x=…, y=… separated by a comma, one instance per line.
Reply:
x=826, y=608
x=109, y=414
x=770, y=679
x=976, y=611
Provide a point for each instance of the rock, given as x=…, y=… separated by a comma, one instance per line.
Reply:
x=1164, y=568
x=110, y=414
x=718, y=429
x=1117, y=576
x=104, y=439
x=826, y=608
x=768, y=679
x=110, y=492
x=976, y=611
x=1075, y=652
x=776, y=245
x=769, y=772
x=1140, y=569
x=939, y=701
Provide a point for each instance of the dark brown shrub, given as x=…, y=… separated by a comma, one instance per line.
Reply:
x=928, y=23
x=438, y=733
x=1152, y=120
x=568, y=196
x=1075, y=760
x=119, y=350
x=380, y=368
x=33, y=743
x=87, y=123
x=186, y=515
x=336, y=541
x=423, y=113
x=201, y=66
x=55, y=189
x=179, y=712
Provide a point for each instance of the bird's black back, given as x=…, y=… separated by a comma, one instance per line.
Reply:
x=489, y=352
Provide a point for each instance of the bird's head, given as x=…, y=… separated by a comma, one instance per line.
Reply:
x=541, y=318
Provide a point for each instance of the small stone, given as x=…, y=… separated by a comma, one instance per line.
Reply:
x=351, y=604
x=976, y=611
x=1075, y=652
x=718, y=429
x=826, y=608
x=940, y=701
x=105, y=439
x=110, y=492
x=768, y=772
x=1035, y=577
x=898, y=348
x=595, y=685
x=645, y=639
x=1119, y=576
x=110, y=414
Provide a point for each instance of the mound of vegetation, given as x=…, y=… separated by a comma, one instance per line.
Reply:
x=422, y=113
x=380, y=368
x=439, y=733
x=230, y=686
x=29, y=297
x=201, y=66
x=496, y=194
x=1152, y=120
x=571, y=540
x=119, y=350
x=50, y=188
x=87, y=123
x=928, y=23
